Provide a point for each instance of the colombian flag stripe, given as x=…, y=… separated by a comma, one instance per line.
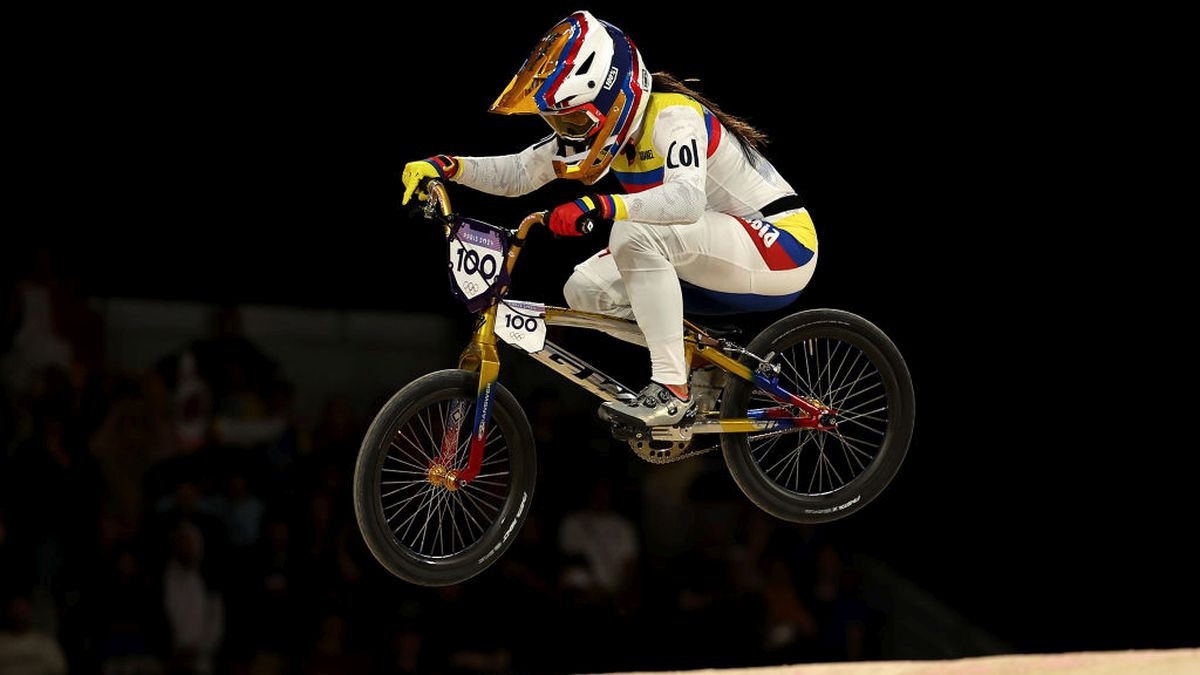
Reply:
x=640, y=177
x=640, y=180
x=436, y=167
x=785, y=253
x=714, y=132
x=795, y=250
x=447, y=166
x=619, y=211
x=800, y=226
x=608, y=206
x=633, y=188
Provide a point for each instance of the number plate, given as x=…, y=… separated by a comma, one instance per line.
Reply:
x=475, y=260
x=522, y=324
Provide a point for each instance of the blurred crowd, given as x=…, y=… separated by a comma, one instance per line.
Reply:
x=183, y=519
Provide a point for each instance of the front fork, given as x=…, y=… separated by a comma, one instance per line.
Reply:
x=481, y=356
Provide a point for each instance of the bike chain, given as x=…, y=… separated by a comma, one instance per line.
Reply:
x=677, y=452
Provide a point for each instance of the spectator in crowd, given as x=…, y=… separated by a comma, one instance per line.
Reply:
x=25, y=650
x=278, y=608
x=237, y=371
x=195, y=611
x=605, y=541
x=34, y=309
x=124, y=619
x=241, y=511
x=135, y=433
x=331, y=652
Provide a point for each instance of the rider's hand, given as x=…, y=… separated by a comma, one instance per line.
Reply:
x=566, y=219
x=440, y=166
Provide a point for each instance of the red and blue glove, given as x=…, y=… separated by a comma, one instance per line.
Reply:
x=566, y=220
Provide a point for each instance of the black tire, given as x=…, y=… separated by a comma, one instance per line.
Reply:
x=420, y=407
x=754, y=472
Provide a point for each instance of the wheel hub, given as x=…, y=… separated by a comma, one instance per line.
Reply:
x=442, y=476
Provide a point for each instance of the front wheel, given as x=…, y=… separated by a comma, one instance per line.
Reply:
x=419, y=526
x=846, y=363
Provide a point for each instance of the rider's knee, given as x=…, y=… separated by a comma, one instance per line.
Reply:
x=581, y=293
x=630, y=237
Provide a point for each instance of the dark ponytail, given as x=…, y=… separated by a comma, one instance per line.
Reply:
x=747, y=136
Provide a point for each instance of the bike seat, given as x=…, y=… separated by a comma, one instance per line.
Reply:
x=721, y=330
x=705, y=302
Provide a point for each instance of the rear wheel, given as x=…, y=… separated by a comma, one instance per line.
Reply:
x=844, y=362
x=415, y=524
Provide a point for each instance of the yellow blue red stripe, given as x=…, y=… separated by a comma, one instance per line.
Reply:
x=586, y=204
x=570, y=49
x=445, y=165
x=785, y=244
x=640, y=168
x=638, y=181
x=714, y=131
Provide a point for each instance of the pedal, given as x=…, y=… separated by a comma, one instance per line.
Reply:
x=616, y=417
x=606, y=415
x=627, y=428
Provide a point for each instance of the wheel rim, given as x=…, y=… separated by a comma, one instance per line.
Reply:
x=426, y=518
x=844, y=375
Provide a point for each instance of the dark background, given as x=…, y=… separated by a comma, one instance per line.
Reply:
x=948, y=163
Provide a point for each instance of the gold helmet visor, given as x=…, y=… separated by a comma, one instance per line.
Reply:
x=517, y=97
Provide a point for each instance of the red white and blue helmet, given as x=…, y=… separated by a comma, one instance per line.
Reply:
x=588, y=81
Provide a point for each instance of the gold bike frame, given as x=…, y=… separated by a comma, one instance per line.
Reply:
x=481, y=355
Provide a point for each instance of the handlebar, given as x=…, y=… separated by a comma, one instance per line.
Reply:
x=437, y=207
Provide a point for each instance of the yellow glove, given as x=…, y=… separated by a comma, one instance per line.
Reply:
x=440, y=166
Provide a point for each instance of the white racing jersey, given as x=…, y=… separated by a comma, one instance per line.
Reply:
x=681, y=163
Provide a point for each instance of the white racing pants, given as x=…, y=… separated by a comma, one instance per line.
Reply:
x=719, y=264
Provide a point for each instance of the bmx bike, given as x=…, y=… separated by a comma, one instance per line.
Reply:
x=813, y=416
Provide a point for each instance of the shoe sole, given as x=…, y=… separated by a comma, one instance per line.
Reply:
x=619, y=417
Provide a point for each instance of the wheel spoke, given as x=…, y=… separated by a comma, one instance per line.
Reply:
x=478, y=502
x=869, y=415
x=487, y=482
x=421, y=456
x=834, y=376
x=850, y=459
x=801, y=384
x=848, y=445
x=401, y=461
x=844, y=384
x=400, y=506
x=466, y=512
x=780, y=461
x=861, y=404
x=471, y=486
x=764, y=446
x=418, y=473
x=407, y=523
x=827, y=371
x=876, y=431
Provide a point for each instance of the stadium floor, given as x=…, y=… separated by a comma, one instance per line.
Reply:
x=1168, y=662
